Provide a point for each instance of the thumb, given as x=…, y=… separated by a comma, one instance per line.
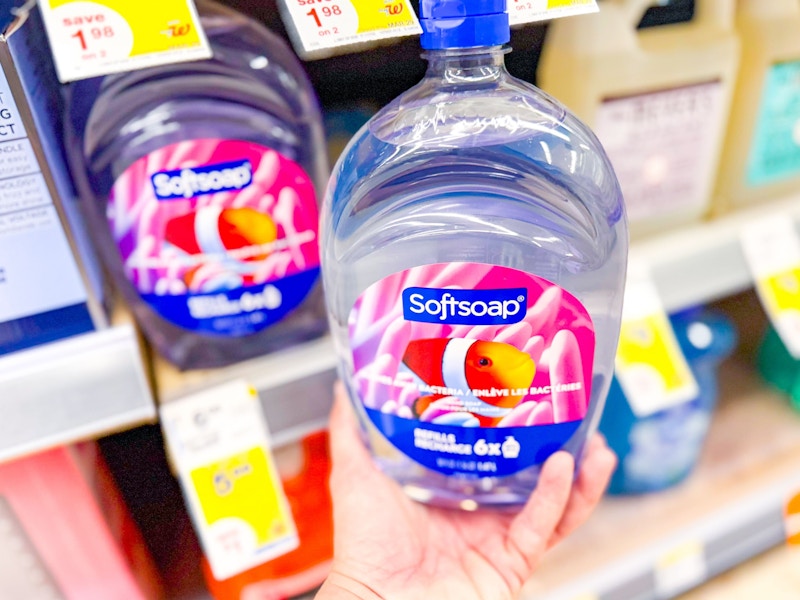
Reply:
x=531, y=530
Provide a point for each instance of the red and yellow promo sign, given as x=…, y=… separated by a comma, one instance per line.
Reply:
x=317, y=26
x=98, y=37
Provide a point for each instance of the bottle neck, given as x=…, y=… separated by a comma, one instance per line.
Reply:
x=467, y=65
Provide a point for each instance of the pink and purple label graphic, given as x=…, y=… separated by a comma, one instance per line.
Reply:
x=218, y=236
x=472, y=369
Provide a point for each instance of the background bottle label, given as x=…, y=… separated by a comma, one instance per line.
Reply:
x=663, y=146
x=218, y=236
x=775, y=152
x=472, y=369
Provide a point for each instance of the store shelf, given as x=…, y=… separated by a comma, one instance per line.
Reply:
x=704, y=262
x=729, y=511
x=693, y=265
x=774, y=576
x=295, y=386
x=72, y=390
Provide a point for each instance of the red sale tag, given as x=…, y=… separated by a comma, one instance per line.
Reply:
x=315, y=28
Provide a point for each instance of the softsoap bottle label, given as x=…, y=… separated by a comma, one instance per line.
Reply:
x=470, y=368
x=217, y=236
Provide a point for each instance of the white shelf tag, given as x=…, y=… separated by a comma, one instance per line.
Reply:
x=531, y=11
x=772, y=249
x=650, y=365
x=679, y=569
x=92, y=38
x=219, y=443
x=319, y=26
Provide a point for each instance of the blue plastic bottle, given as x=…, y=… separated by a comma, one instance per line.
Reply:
x=474, y=247
x=660, y=450
x=200, y=182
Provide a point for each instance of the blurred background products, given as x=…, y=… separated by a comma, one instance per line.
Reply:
x=778, y=367
x=50, y=283
x=660, y=450
x=201, y=181
x=761, y=156
x=658, y=99
x=67, y=532
x=304, y=468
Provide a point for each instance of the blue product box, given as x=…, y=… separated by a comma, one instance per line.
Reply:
x=50, y=285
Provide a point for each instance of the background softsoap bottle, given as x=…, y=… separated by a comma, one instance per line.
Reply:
x=200, y=180
x=761, y=156
x=657, y=98
x=474, y=253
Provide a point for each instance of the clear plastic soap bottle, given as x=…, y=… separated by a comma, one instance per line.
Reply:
x=658, y=99
x=761, y=157
x=474, y=249
x=201, y=182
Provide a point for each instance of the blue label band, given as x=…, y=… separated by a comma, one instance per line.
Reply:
x=473, y=451
x=465, y=307
x=210, y=179
x=238, y=312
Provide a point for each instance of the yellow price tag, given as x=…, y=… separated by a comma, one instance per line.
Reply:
x=772, y=248
x=530, y=11
x=219, y=444
x=650, y=365
x=316, y=26
x=244, y=506
x=99, y=37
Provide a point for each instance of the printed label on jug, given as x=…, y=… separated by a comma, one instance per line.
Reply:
x=218, y=236
x=472, y=369
x=775, y=150
x=663, y=147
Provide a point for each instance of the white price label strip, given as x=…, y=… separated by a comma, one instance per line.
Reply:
x=679, y=569
x=219, y=443
x=650, y=365
x=530, y=11
x=319, y=25
x=772, y=249
x=110, y=36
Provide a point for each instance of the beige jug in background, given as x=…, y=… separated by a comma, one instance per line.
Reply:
x=761, y=158
x=658, y=99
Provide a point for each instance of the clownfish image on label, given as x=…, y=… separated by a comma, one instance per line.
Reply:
x=474, y=382
x=235, y=239
x=222, y=232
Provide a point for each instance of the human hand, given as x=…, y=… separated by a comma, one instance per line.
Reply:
x=390, y=547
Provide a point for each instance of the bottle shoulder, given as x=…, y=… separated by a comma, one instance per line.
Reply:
x=506, y=133
x=251, y=78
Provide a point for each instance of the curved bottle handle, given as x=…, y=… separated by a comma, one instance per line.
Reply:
x=717, y=14
x=771, y=9
x=633, y=10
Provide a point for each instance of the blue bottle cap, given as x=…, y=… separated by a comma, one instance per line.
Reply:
x=463, y=23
